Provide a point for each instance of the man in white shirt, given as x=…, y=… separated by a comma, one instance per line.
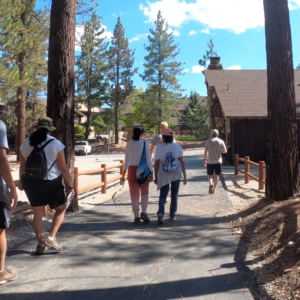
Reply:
x=215, y=147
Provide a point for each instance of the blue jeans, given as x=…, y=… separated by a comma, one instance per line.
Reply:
x=174, y=198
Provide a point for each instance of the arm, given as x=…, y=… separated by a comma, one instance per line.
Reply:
x=205, y=159
x=6, y=174
x=183, y=169
x=21, y=171
x=62, y=166
x=156, y=167
x=151, y=149
x=224, y=149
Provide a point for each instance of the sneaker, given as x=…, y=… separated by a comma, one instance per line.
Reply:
x=172, y=219
x=145, y=218
x=53, y=244
x=137, y=221
x=160, y=219
x=40, y=249
x=8, y=275
x=210, y=191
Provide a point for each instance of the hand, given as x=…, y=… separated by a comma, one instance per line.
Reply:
x=150, y=178
x=72, y=191
x=13, y=197
x=155, y=181
x=20, y=186
x=184, y=180
x=205, y=163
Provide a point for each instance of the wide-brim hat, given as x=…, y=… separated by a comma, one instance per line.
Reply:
x=46, y=122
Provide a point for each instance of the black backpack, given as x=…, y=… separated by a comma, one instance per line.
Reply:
x=36, y=163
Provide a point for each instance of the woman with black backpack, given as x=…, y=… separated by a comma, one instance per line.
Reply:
x=42, y=166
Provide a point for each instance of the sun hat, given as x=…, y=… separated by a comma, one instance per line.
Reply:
x=167, y=132
x=215, y=132
x=45, y=122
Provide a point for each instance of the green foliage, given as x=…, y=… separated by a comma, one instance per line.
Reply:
x=79, y=129
x=190, y=138
x=195, y=115
x=98, y=123
x=209, y=53
x=23, y=29
x=79, y=136
x=92, y=67
x=164, y=93
x=121, y=61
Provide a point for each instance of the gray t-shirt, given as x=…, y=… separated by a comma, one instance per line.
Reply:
x=3, y=144
x=214, y=147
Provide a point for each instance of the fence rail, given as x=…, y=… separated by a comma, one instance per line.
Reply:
x=261, y=170
x=103, y=184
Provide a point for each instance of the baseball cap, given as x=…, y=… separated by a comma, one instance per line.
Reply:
x=215, y=132
x=167, y=132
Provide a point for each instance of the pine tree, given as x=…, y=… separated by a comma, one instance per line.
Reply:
x=195, y=115
x=23, y=36
x=209, y=53
x=121, y=60
x=91, y=73
x=162, y=70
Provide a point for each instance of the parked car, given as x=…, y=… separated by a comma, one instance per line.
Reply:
x=82, y=147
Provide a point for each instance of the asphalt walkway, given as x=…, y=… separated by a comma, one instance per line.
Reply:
x=108, y=257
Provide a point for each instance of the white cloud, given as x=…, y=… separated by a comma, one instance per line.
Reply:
x=79, y=30
x=234, y=67
x=192, y=32
x=197, y=69
x=233, y=15
x=186, y=70
x=139, y=37
x=173, y=31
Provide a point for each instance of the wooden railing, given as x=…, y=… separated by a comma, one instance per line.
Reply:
x=103, y=184
x=261, y=166
x=104, y=181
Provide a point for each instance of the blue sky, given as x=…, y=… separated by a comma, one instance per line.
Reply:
x=236, y=27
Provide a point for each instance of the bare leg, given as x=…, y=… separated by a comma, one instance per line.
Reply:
x=210, y=179
x=3, y=247
x=38, y=214
x=216, y=181
x=57, y=219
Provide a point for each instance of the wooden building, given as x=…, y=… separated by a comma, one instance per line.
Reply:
x=238, y=109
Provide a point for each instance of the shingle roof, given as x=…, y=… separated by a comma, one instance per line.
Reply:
x=243, y=93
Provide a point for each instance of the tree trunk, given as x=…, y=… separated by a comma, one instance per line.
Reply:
x=60, y=104
x=117, y=123
x=282, y=149
x=88, y=123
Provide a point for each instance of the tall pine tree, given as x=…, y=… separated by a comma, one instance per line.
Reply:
x=162, y=70
x=23, y=35
x=92, y=67
x=121, y=60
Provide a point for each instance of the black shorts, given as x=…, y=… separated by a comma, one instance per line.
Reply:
x=5, y=210
x=44, y=192
x=214, y=168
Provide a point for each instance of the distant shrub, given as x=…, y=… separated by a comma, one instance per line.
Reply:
x=190, y=138
x=79, y=129
x=79, y=136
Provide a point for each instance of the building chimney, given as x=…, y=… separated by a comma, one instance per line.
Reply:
x=215, y=63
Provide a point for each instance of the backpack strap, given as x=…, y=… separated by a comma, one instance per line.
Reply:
x=48, y=142
x=52, y=165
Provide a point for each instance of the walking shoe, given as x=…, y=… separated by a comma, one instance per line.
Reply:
x=145, y=217
x=40, y=249
x=8, y=275
x=53, y=244
x=172, y=219
x=210, y=191
x=137, y=221
x=160, y=219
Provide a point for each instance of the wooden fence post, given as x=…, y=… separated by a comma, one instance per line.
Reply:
x=103, y=179
x=262, y=175
x=122, y=172
x=236, y=164
x=76, y=180
x=247, y=169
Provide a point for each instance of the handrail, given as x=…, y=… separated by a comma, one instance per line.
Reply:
x=261, y=166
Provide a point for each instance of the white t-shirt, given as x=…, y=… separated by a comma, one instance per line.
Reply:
x=164, y=178
x=51, y=151
x=134, y=151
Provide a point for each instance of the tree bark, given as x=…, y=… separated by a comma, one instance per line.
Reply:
x=117, y=123
x=282, y=150
x=60, y=104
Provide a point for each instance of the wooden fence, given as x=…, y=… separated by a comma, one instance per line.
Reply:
x=103, y=183
x=261, y=170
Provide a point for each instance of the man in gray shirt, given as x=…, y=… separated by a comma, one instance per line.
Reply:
x=214, y=147
x=8, y=196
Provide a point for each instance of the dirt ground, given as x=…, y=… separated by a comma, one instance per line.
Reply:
x=271, y=233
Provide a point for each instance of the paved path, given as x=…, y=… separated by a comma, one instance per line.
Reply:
x=108, y=257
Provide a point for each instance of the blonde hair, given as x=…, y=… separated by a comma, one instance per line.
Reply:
x=164, y=125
